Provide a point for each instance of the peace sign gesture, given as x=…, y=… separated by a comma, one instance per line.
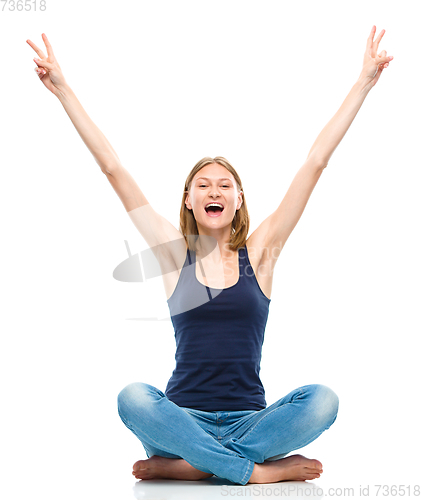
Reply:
x=48, y=68
x=374, y=63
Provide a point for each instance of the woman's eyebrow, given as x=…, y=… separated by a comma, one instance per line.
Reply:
x=222, y=179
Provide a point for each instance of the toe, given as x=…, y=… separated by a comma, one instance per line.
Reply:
x=137, y=465
x=312, y=475
x=316, y=464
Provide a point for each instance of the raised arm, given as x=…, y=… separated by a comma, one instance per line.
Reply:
x=274, y=231
x=155, y=229
x=336, y=128
x=51, y=76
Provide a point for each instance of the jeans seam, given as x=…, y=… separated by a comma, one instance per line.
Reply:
x=262, y=419
x=160, y=446
x=256, y=425
x=247, y=470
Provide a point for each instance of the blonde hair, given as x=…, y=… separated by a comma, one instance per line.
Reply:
x=240, y=222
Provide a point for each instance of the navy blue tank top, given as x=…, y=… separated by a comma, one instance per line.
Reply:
x=219, y=335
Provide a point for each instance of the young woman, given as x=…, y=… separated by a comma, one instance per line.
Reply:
x=213, y=418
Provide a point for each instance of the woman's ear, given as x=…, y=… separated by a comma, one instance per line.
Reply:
x=187, y=202
x=239, y=200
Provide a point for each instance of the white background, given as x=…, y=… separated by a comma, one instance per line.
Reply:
x=168, y=83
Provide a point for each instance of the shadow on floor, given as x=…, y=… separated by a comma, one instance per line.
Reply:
x=215, y=487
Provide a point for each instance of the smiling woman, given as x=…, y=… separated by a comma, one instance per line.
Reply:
x=219, y=325
x=214, y=209
x=213, y=417
x=208, y=183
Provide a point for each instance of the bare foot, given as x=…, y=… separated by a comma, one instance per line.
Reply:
x=157, y=467
x=293, y=468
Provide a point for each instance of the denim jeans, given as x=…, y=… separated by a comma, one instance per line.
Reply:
x=226, y=443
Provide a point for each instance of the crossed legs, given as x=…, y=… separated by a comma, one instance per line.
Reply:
x=178, y=448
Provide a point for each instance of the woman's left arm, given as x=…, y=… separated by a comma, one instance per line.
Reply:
x=275, y=230
x=336, y=128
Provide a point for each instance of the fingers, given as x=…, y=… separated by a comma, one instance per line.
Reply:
x=383, y=58
x=372, y=33
x=49, y=47
x=44, y=64
x=370, y=40
x=37, y=50
x=40, y=72
x=382, y=55
x=40, y=53
x=372, y=46
x=377, y=41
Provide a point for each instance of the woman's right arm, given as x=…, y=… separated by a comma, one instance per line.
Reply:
x=52, y=77
x=120, y=179
x=94, y=139
x=155, y=229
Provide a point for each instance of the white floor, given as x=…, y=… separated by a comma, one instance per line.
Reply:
x=214, y=487
x=81, y=452
x=95, y=462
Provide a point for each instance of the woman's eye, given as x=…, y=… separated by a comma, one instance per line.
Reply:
x=204, y=185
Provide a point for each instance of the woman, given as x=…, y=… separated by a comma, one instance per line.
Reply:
x=213, y=418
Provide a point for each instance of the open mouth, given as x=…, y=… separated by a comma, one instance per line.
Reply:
x=214, y=209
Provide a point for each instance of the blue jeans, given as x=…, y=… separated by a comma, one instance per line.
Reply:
x=226, y=443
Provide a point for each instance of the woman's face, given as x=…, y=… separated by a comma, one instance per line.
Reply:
x=213, y=184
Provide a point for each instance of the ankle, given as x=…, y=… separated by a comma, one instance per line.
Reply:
x=256, y=474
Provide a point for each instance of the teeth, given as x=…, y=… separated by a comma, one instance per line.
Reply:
x=214, y=204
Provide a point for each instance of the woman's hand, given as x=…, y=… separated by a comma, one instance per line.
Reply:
x=373, y=64
x=48, y=69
